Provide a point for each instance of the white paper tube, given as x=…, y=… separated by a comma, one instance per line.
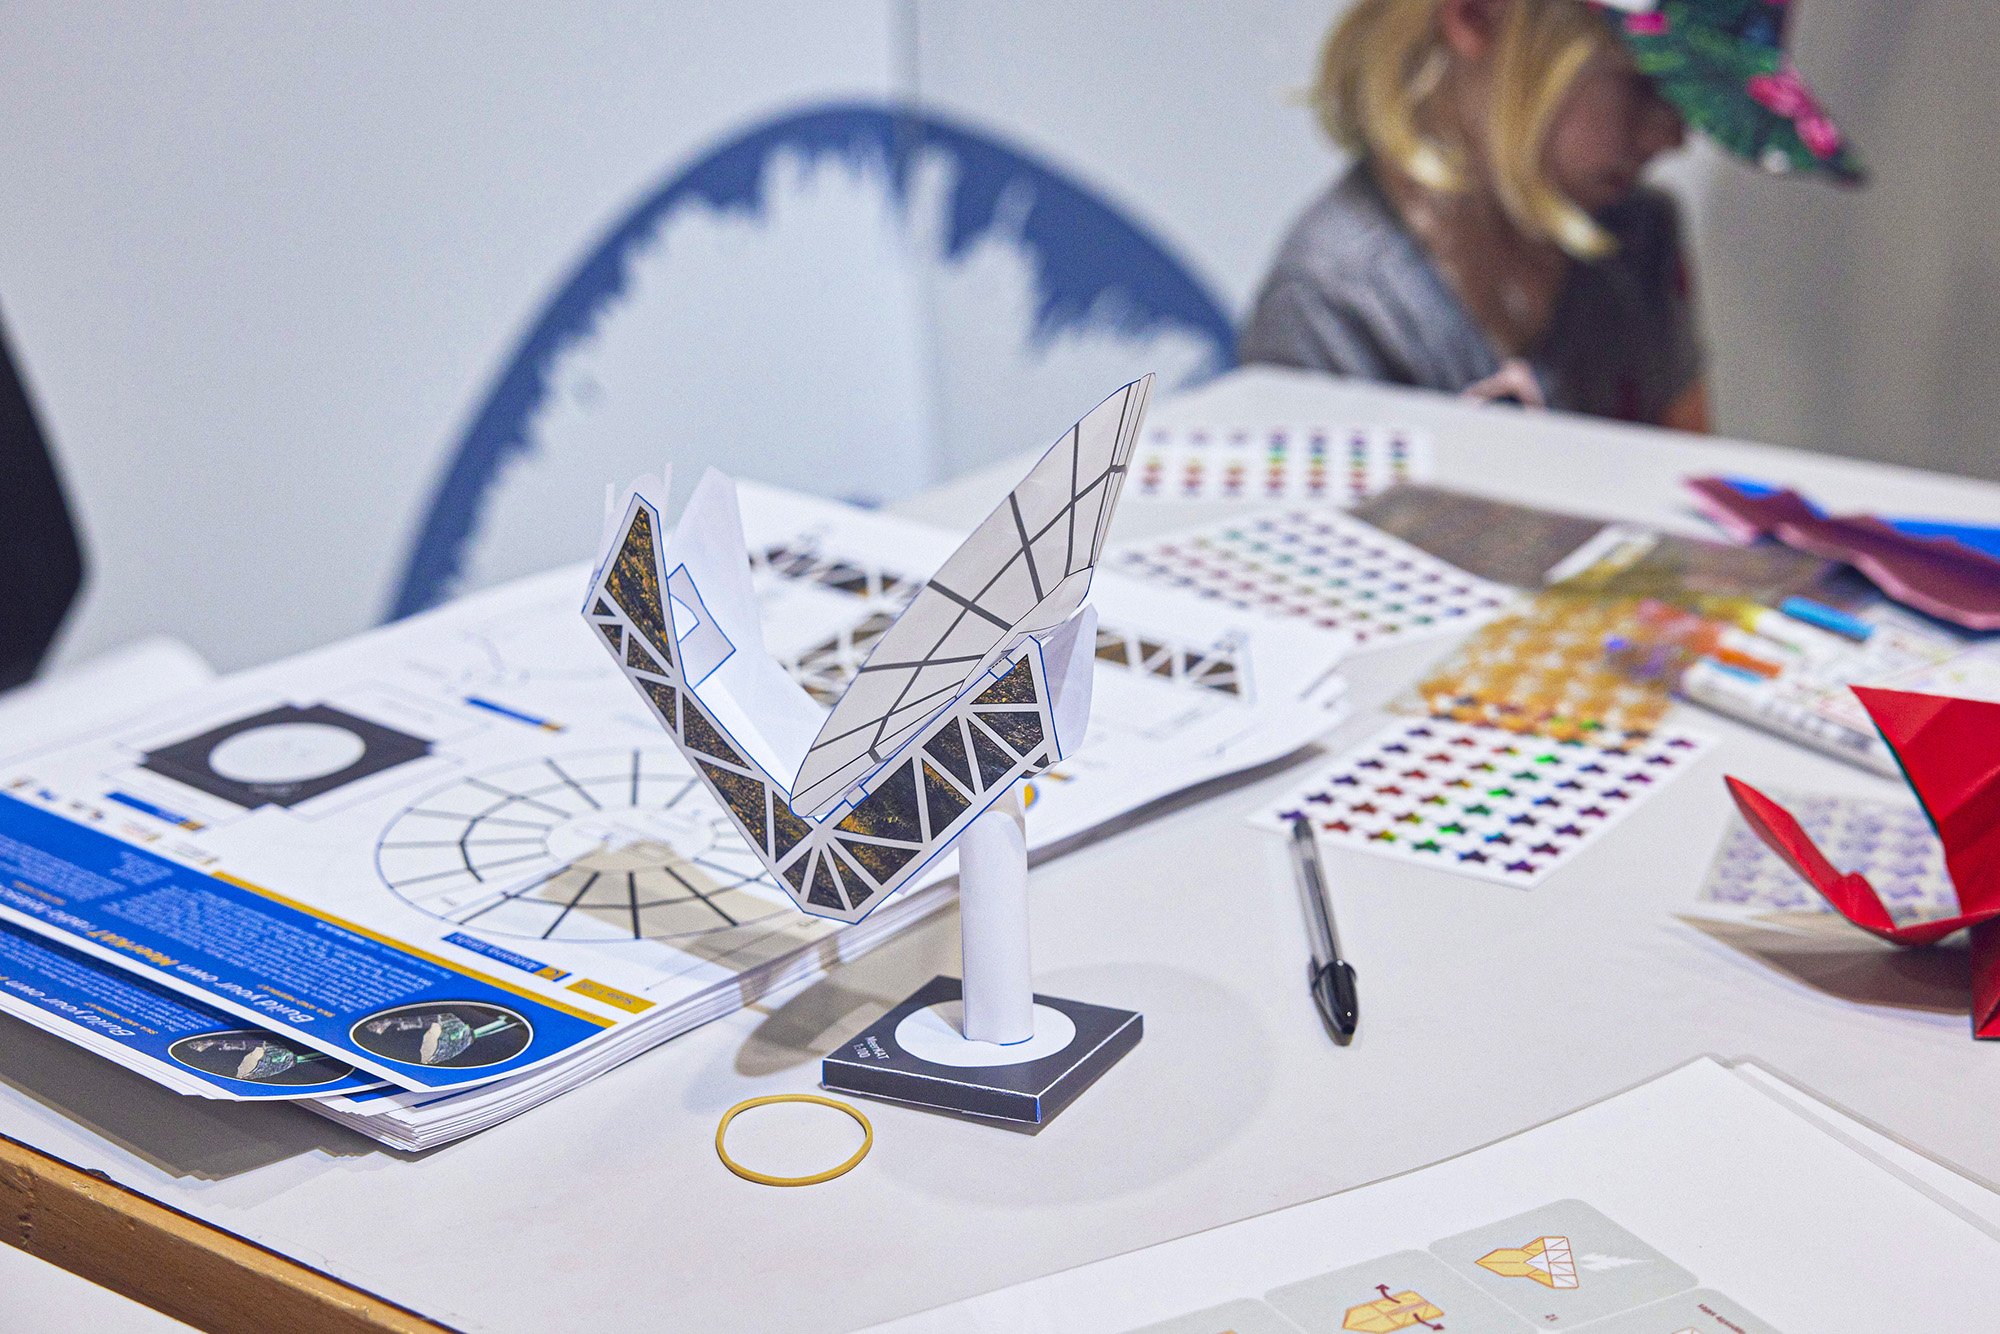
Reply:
x=993, y=925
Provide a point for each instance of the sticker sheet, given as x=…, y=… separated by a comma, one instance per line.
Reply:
x=1482, y=801
x=1542, y=670
x=1322, y=567
x=1340, y=464
x=1890, y=842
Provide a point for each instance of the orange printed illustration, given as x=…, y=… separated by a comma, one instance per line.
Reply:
x=1546, y=1260
x=1392, y=1311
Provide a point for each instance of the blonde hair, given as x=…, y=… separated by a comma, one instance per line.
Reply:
x=1386, y=57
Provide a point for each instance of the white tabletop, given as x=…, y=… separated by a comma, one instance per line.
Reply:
x=1486, y=1009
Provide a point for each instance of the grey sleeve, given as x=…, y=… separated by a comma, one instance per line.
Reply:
x=1295, y=324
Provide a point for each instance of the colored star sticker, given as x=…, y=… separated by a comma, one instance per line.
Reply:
x=1501, y=839
x=1475, y=855
x=1337, y=827
x=1592, y=812
x=1523, y=865
x=1527, y=820
x=1571, y=831
x=1428, y=845
x=1545, y=849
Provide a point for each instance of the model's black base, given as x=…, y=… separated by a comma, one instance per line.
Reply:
x=1027, y=1093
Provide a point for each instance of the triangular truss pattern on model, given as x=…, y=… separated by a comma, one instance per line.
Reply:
x=984, y=679
x=826, y=668
x=1025, y=569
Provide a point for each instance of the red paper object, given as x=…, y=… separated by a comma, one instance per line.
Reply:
x=1950, y=752
x=1947, y=579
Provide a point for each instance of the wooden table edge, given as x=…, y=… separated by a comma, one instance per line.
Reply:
x=178, y=1265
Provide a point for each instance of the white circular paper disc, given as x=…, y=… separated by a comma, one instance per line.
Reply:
x=286, y=753
x=932, y=1034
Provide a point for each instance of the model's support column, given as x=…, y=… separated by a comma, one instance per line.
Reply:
x=999, y=1004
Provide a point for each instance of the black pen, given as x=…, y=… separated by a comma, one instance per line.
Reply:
x=1332, y=976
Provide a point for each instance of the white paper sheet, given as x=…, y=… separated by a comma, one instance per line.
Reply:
x=1693, y=1202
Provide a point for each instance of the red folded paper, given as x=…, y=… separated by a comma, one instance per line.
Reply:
x=1950, y=752
x=1936, y=575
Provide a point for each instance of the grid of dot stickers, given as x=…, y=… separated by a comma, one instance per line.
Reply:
x=1331, y=569
x=1342, y=465
x=1481, y=801
x=1891, y=843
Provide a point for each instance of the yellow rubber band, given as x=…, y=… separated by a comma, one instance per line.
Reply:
x=763, y=1179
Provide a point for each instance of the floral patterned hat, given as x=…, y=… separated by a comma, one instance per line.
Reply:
x=1722, y=63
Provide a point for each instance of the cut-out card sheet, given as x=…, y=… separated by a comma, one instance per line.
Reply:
x=1342, y=465
x=1320, y=567
x=455, y=854
x=1891, y=843
x=1702, y=1202
x=1482, y=801
x=1758, y=906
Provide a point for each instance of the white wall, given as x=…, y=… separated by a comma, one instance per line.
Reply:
x=262, y=260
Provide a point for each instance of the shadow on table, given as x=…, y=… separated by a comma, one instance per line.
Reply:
x=183, y=1136
x=808, y=1025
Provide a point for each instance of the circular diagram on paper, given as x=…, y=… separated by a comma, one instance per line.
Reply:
x=600, y=845
x=454, y=1035
x=259, y=1057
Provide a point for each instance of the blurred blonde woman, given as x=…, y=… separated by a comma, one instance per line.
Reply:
x=1494, y=236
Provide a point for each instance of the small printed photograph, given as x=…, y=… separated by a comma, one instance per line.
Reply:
x=258, y=1057
x=457, y=1035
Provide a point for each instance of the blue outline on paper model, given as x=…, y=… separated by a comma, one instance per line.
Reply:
x=1094, y=267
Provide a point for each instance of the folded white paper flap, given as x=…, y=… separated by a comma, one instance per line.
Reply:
x=1025, y=569
x=1069, y=657
x=715, y=620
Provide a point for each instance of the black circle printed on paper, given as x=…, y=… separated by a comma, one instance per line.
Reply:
x=284, y=756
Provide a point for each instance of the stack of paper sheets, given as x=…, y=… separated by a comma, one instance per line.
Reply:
x=453, y=857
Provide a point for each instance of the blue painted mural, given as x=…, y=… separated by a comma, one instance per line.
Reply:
x=1093, y=265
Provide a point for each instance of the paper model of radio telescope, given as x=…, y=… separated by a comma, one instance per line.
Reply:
x=1950, y=753
x=982, y=681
